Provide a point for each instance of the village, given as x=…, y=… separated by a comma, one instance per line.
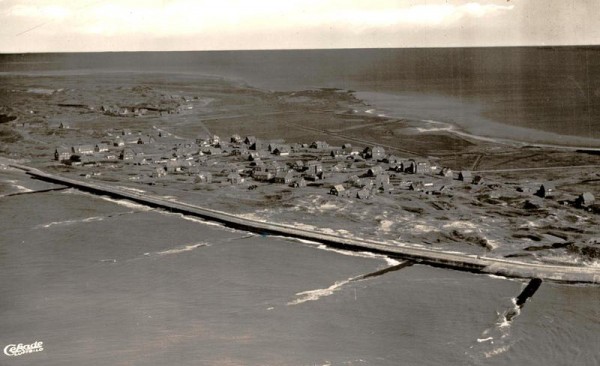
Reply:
x=311, y=159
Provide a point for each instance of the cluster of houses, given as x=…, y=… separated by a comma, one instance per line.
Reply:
x=344, y=171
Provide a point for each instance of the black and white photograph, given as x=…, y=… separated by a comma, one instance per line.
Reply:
x=299, y=182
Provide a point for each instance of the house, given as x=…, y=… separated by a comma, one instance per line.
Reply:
x=249, y=140
x=62, y=153
x=214, y=140
x=159, y=172
x=447, y=172
x=299, y=165
x=392, y=160
x=413, y=166
x=203, y=178
x=374, y=152
x=375, y=171
x=381, y=180
x=319, y=145
x=119, y=142
x=545, y=190
x=83, y=149
x=64, y=125
x=257, y=145
x=337, y=154
x=314, y=167
x=145, y=140
x=236, y=139
x=299, y=183
x=262, y=176
x=127, y=154
x=125, y=132
x=274, y=167
x=347, y=146
x=101, y=148
x=337, y=190
x=282, y=150
x=465, y=176
x=585, y=199
x=235, y=178
x=283, y=177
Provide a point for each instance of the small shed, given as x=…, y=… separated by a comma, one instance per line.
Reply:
x=337, y=189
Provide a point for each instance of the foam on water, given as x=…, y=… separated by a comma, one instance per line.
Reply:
x=183, y=249
x=71, y=222
x=314, y=295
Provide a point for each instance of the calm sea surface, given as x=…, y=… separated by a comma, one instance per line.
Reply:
x=86, y=276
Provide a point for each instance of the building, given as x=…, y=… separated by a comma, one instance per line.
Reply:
x=375, y=171
x=62, y=153
x=262, y=176
x=374, y=152
x=64, y=125
x=319, y=145
x=284, y=177
x=585, y=199
x=145, y=140
x=382, y=180
x=282, y=150
x=314, y=167
x=127, y=154
x=465, y=176
x=235, y=178
x=83, y=149
x=299, y=183
x=337, y=190
x=447, y=172
x=236, y=139
x=249, y=140
x=545, y=190
x=101, y=148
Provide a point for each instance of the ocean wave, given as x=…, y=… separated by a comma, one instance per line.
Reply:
x=71, y=222
x=314, y=295
x=179, y=250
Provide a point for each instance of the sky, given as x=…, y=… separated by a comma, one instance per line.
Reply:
x=168, y=25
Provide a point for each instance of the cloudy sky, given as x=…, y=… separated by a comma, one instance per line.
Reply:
x=134, y=25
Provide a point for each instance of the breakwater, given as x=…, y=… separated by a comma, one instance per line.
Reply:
x=464, y=262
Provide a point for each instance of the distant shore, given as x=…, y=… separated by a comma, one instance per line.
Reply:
x=464, y=118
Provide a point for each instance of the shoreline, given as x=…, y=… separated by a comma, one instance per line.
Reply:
x=464, y=119
x=444, y=259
